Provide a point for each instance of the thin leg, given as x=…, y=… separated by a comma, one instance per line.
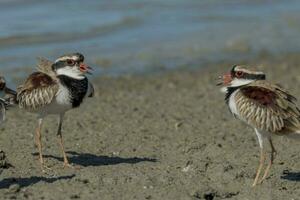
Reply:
x=262, y=157
x=261, y=163
x=38, y=140
x=273, y=148
x=272, y=157
x=61, y=143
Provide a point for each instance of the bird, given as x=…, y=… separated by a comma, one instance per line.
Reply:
x=8, y=100
x=55, y=88
x=265, y=106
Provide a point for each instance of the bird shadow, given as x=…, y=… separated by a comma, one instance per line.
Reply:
x=87, y=159
x=25, y=182
x=291, y=176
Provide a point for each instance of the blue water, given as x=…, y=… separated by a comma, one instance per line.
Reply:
x=142, y=36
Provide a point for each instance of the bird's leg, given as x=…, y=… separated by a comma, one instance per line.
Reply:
x=272, y=157
x=38, y=141
x=60, y=139
x=261, y=163
x=262, y=157
x=273, y=149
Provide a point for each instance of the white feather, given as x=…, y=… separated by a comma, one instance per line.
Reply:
x=63, y=95
x=232, y=103
x=223, y=89
x=72, y=72
x=67, y=57
x=239, y=82
x=60, y=104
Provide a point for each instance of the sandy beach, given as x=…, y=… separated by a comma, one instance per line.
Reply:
x=159, y=136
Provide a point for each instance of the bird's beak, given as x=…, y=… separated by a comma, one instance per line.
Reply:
x=225, y=79
x=85, y=68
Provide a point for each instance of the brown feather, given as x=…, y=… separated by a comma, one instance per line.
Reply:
x=38, y=90
x=45, y=66
x=268, y=107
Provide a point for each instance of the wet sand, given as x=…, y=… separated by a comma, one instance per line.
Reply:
x=167, y=136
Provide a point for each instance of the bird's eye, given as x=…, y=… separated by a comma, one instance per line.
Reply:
x=239, y=73
x=70, y=62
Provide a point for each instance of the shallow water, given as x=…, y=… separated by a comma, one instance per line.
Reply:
x=141, y=36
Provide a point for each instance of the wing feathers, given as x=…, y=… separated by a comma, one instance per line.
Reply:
x=268, y=107
x=45, y=66
x=38, y=90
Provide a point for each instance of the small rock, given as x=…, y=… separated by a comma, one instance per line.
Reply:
x=75, y=196
x=14, y=188
x=148, y=197
x=209, y=196
x=228, y=167
x=3, y=161
x=187, y=166
x=197, y=195
x=286, y=171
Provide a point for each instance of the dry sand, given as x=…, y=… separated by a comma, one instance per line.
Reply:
x=167, y=136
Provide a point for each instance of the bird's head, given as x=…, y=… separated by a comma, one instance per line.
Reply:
x=240, y=76
x=71, y=65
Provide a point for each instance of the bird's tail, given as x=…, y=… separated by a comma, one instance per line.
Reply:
x=294, y=134
x=10, y=96
x=8, y=100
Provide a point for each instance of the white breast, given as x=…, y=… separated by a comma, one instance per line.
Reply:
x=63, y=95
x=232, y=103
x=60, y=104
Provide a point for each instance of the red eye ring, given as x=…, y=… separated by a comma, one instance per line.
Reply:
x=239, y=73
x=70, y=62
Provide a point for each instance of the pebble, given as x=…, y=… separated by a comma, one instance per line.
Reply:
x=14, y=188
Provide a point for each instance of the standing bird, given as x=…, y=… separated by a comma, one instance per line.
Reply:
x=266, y=107
x=54, y=89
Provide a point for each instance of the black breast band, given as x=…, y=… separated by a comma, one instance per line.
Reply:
x=77, y=88
x=229, y=92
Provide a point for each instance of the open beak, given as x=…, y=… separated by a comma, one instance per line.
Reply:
x=225, y=79
x=85, y=68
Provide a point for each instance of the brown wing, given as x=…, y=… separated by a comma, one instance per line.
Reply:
x=38, y=90
x=45, y=66
x=268, y=107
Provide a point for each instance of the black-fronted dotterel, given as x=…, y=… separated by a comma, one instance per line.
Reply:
x=266, y=107
x=55, y=88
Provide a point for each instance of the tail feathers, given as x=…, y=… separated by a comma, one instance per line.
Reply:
x=10, y=96
x=3, y=106
x=9, y=99
x=294, y=134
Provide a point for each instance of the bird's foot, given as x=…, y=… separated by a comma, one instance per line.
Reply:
x=255, y=183
x=68, y=165
x=45, y=168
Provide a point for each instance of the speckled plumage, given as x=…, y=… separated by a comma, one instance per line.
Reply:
x=45, y=66
x=54, y=89
x=38, y=91
x=267, y=107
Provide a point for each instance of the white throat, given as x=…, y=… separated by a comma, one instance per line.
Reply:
x=236, y=83
x=240, y=82
x=70, y=72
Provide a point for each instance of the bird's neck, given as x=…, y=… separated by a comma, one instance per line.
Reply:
x=229, y=92
x=77, y=88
